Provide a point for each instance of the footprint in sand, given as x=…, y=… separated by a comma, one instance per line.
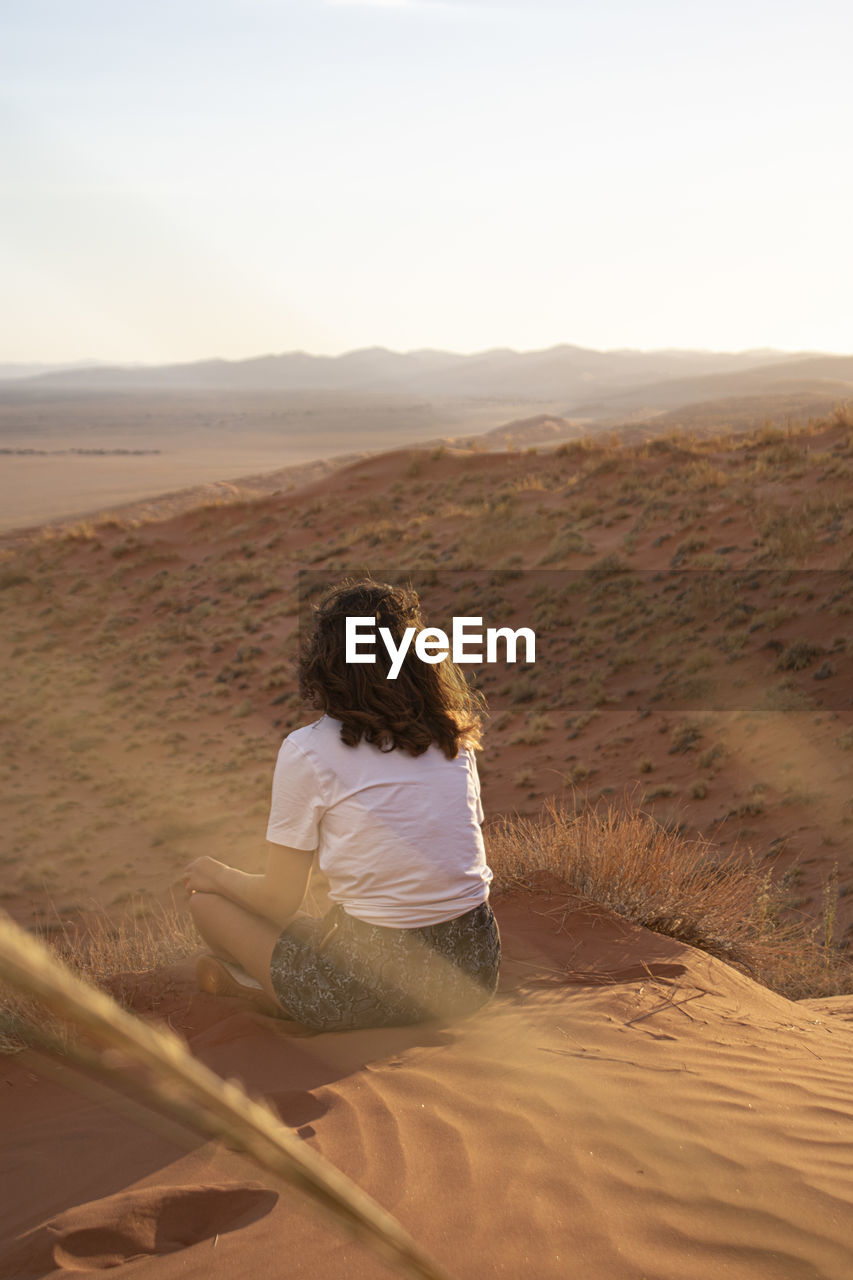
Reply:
x=135, y=1224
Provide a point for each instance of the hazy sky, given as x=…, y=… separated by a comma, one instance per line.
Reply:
x=184, y=178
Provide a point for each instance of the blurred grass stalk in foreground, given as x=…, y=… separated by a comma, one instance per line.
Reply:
x=178, y=1085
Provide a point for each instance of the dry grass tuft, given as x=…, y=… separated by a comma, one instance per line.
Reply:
x=684, y=888
x=107, y=952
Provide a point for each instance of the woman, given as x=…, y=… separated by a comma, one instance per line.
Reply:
x=383, y=789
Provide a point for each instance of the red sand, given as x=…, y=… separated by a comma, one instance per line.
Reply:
x=628, y=1107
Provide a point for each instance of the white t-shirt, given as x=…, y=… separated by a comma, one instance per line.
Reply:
x=398, y=835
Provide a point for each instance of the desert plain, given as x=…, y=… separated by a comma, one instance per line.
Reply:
x=662, y=1087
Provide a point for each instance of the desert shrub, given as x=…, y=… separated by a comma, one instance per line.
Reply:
x=772, y=618
x=750, y=808
x=787, y=534
x=607, y=567
x=685, y=550
x=674, y=885
x=534, y=730
x=663, y=789
x=595, y=694
x=566, y=543
x=685, y=737
x=703, y=475
x=577, y=724
x=798, y=655
x=785, y=696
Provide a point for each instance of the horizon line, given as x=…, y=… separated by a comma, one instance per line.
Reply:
x=95, y=363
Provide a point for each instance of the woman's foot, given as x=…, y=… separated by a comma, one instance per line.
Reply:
x=224, y=978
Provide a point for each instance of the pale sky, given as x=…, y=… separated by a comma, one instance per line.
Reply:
x=193, y=178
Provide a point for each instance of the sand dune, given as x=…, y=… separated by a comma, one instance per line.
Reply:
x=156, y=697
x=628, y=1107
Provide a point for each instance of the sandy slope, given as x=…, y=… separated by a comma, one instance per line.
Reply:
x=628, y=1107
x=149, y=666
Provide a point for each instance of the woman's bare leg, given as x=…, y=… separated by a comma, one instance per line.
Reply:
x=236, y=934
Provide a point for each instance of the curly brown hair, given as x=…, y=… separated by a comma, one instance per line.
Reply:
x=426, y=703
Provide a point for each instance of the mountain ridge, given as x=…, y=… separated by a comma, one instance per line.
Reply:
x=563, y=371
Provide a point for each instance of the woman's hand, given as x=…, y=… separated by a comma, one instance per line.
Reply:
x=203, y=876
x=275, y=895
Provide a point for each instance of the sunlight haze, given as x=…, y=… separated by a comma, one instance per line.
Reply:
x=229, y=177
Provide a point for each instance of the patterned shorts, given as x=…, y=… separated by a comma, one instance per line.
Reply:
x=338, y=973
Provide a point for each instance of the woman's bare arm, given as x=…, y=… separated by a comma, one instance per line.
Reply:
x=275, y=894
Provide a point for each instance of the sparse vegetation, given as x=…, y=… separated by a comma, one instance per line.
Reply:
x=798, y=655
x=108, y=949
x=680, y=887
x=169, y=684
x=662, y=790
x=534, y=730
x=686, y=737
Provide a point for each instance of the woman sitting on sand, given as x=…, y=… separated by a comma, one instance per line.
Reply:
x=384, y=789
